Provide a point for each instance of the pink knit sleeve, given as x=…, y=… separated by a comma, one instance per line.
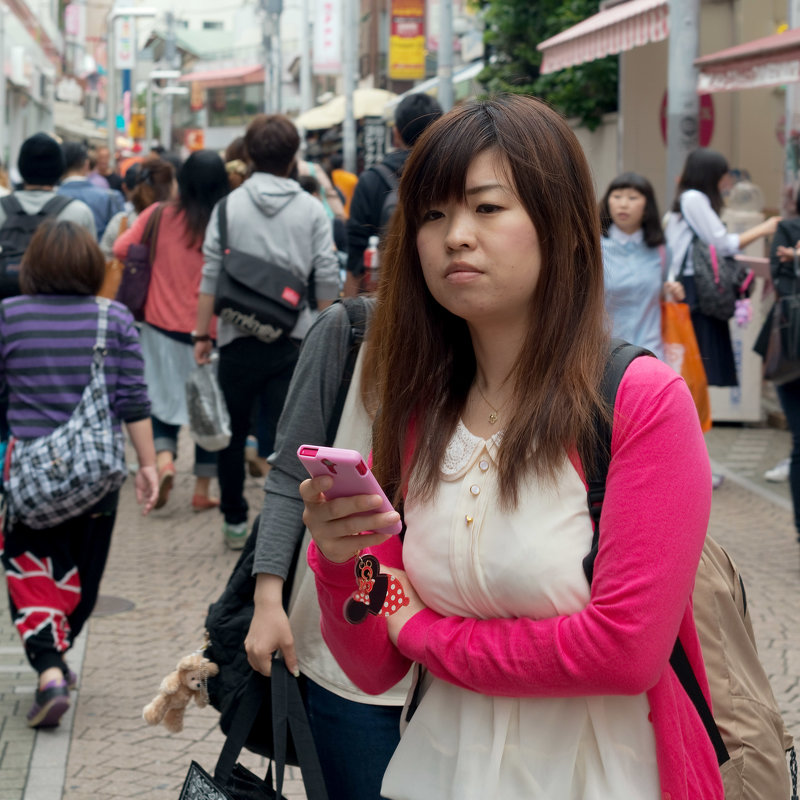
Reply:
x=653, y=524
x=363, y=651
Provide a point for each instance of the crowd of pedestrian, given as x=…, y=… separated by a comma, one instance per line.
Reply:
x=471, y=377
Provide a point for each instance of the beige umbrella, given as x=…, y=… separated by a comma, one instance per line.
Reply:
x=366, y=103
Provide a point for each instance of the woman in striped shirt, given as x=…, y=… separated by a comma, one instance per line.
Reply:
x=47, y=336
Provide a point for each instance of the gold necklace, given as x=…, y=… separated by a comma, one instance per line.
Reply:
x=495, y=411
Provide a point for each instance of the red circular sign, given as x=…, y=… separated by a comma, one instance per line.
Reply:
x=706, y=121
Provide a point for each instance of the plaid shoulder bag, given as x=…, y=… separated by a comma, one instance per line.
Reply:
x=61, y=475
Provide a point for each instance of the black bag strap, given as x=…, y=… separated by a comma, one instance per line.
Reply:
x=241, y=725
x=388, y=176
x=289, y=714
x=222, y=223
x=150, y=233
x=357, y=315
x=620, y=357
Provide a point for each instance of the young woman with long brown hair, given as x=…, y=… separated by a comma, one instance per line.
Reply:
x=489, y=342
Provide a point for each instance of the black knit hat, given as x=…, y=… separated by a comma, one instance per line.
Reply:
x=41, y=161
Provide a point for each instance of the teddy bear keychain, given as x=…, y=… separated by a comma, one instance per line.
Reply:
x=177, y=690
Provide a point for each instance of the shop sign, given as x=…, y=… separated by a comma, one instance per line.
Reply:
x=407, y=40
x=124, y=43
x=328, y=38
x=197, y=98
x=194, y=139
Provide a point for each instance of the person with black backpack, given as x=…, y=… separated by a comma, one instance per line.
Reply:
x=375, y=195
x=41, y=164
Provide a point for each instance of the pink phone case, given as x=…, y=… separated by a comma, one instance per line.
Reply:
x=350, y=474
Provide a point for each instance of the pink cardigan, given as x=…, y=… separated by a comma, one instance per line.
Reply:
x=177, y=269
x=654, y=521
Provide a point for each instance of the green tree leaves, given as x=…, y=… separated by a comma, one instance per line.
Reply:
x=515, y=27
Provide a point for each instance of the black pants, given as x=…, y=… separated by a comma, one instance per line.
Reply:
x=250, y=371
x=789, y=395
x=53, y=577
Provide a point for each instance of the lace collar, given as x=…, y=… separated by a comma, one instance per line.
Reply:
x=464, y=448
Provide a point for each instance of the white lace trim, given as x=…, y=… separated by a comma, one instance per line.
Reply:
x=463, y=448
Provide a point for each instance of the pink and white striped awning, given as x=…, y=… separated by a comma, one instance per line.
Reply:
x=614, y=30
x=769, y=61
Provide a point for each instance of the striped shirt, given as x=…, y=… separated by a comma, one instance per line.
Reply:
x=46, y=344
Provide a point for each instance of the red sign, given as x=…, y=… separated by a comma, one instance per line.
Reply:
x=194, y=139
x=706, y=121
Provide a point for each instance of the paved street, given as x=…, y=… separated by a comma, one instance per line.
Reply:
x=165, y=569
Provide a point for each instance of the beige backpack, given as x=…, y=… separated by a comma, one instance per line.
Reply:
x=744, y=706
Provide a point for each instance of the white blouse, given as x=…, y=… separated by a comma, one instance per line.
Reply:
x=696, y=216
x=467, y=557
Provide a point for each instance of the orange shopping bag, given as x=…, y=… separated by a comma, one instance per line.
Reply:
x=683, y=355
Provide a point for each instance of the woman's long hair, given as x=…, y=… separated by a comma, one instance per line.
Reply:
x=703, y=170
x=202, y=182
x=651, y=220
x=422, y=354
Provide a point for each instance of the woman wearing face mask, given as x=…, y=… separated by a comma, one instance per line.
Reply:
x=634, y=261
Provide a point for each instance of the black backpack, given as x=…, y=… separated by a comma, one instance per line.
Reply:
x=15, y=235
x=392, y=181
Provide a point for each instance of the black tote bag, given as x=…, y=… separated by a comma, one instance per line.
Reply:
x=232, y=781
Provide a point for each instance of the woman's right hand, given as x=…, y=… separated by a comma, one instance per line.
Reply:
x=334, y=524
x=202, y=352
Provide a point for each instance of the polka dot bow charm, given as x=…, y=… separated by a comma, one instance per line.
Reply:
x=380, y=594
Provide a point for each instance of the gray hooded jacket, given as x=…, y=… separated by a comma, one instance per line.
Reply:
x=274, y=219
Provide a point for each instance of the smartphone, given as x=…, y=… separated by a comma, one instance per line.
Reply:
x=351, y=476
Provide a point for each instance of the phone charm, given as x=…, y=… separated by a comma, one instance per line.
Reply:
x=378, y=593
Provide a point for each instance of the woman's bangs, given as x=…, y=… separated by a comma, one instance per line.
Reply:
x=439, y=171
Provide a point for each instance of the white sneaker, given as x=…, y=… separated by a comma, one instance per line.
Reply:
x=717, y=480
x=779, y=473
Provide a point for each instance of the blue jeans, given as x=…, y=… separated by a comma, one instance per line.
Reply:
x=789, y=395
x=354, y=742
x=165, y=437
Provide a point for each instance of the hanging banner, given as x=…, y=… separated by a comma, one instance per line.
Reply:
x=328, y=38
x=407, y=40
x=124, y=43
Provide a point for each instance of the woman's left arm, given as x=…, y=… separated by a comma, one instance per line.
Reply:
x=654, y=522
x=129, y=400
x=134, y=234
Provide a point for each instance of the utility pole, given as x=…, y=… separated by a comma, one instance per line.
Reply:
x=148, y=111
x=444, y=68
x=170, y=52
x=792, y=106
x=683, y=105
x=266, y=43
x=349, y=46
x=305, y=57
